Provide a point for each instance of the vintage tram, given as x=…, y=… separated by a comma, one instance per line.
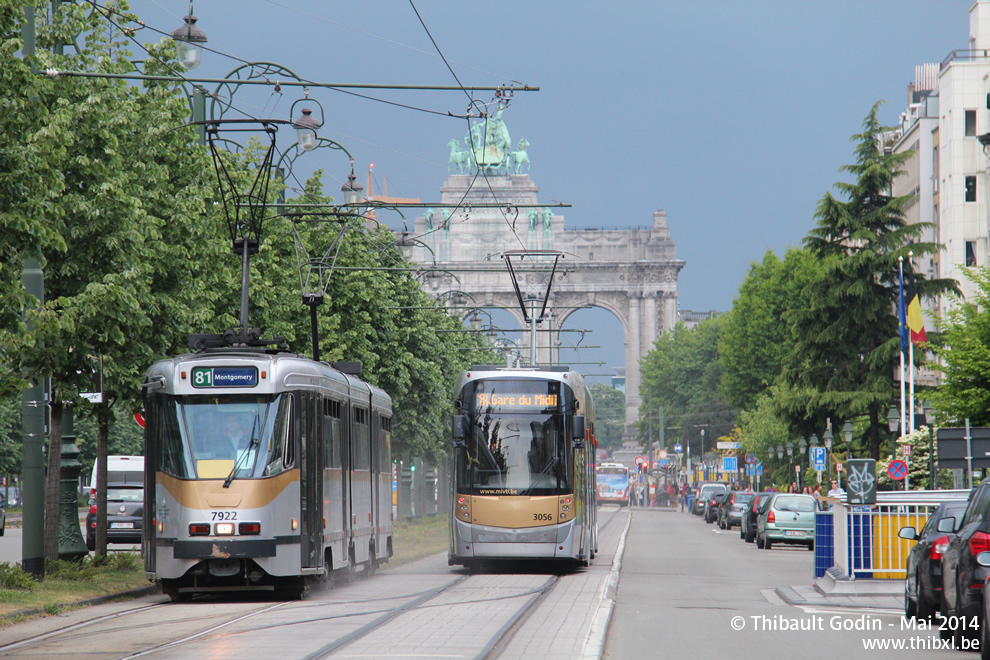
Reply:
x=264, y=471
x=523, y=467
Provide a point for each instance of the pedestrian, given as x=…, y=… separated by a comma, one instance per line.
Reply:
x=685, y=494
x=836, y=490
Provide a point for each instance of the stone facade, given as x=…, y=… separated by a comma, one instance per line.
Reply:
x=631, y=273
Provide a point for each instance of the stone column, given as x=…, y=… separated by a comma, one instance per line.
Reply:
x=669, y=310
x=633, y=353
x=649, y=323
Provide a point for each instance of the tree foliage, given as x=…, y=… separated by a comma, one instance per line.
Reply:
x=755, y=341
x=964, y=354
x=684, y=372
x=846, y=339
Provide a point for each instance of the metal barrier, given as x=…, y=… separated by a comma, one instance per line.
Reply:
x=863, y=540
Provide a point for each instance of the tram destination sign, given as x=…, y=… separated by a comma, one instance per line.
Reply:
x=522, y=400
x=224, y=376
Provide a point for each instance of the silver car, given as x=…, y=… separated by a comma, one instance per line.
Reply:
x=787, y=518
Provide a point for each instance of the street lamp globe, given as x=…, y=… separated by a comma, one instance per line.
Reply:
x=827, y=437
x=803, y=445
x=847, y=432
x=780, y=452
x=306, y=130
x=893, y=419
x=790, y=448
x=476, y=322
x=352, y=192
x=188, y=39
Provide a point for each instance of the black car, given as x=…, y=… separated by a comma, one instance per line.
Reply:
x=923, y=586
x=962, y=575
x=703, y=493
x=125, y=509
x=747, y=524
x=731, y=508
x=712, y=503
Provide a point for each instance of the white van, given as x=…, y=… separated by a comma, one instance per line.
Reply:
x=121, y=470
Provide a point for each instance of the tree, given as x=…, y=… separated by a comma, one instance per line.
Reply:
x=684, y=372
x=754, y=342
x=610, y=415
x=964, y=356
x=122, y=200
x=846, y=338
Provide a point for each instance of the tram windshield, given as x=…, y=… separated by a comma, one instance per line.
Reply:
x=517, y=441
x=215, y=437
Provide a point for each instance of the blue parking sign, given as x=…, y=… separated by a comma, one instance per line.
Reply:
x=818, y=459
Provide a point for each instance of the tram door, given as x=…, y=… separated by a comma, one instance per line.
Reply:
x=310, y=482
x=149, y=531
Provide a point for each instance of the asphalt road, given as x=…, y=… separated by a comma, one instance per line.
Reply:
x=690, y=590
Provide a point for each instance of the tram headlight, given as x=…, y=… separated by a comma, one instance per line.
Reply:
x=566, y=508
x=224, y=529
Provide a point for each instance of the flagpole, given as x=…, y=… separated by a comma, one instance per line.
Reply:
x=911, y=367
x=901, y=320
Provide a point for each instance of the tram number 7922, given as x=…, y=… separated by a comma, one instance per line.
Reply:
x=224, y=515
x=543, y=516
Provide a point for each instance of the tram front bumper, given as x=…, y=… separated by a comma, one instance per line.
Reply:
x=480, y=541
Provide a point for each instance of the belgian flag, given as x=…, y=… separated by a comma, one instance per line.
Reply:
x=912, y=311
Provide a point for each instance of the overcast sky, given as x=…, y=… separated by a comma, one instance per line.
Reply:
x=733, y=116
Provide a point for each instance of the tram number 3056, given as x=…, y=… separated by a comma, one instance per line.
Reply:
x=224, y=515
x=543, y=516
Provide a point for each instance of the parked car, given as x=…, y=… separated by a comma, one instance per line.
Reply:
x=731, y=508
x=712, y=503
x=703, y=493
x=787, y=518
x=747, y=524
x=10, y=496
x=923, y=586
x=962, y=575
x=125, y=509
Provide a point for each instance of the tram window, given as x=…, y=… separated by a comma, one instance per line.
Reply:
x=277, y=442
x=171, y=448
x=361, y=439
x=331, y=433
x=385, y=455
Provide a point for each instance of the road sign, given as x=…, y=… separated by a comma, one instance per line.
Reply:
x=728, y=445
x=640, y=460
x=678, y=448
x=861, y=484
x=905, y=450
x=838, y=467
x=818, y=458
x=730, y=464
x=897, y=470
x=730, y=452
x=750, y=458
x=759, y=469
x=662, y=454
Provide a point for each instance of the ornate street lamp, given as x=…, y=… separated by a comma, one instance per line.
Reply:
x=352, y=195
x=306, y=127
x=476, y=322
x=188, y=39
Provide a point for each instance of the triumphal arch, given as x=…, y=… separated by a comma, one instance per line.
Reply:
x=489, y=206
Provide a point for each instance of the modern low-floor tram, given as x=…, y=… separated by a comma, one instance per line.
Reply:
x=264, y=471
x=523, y=467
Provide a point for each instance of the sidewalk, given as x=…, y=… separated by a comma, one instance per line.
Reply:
x=825, y=592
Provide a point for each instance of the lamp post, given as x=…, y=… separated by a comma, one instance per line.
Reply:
x=780, y=455
x=930, y=421
x=813, y=443
x=803, y=445
x=893, y=423
x=703, y=451
x=827, y=439
x=790, y=462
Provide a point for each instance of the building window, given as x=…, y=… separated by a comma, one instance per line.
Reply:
x=970, y=123
x=971, y=254
x=971, y=189
x=935, y=170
